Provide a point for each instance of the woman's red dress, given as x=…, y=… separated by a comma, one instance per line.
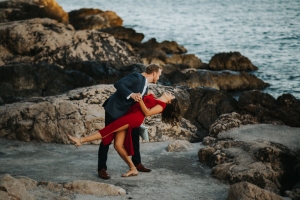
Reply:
x=134, y=118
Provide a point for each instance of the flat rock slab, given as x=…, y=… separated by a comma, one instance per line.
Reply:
x=175, y=175
x=285, y=135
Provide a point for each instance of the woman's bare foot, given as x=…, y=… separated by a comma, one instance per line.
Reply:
x=131, y=172
x=75, y=140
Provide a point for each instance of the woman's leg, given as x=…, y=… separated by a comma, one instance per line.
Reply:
x=119, y=146
x=94, y=136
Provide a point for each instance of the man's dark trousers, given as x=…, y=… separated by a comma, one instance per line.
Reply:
x=103, y=149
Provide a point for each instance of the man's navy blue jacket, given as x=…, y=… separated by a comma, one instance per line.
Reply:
x=118, y=104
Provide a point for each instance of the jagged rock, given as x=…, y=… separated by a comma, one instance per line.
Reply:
x=89, y=18
x=209, y=141
x=204, y=154
x=22, y=80
x=24, y=188
x=15, y=10
x=13, y=188
x=224, y=80
x=294, y=194
x=207, y=105
x=187, y=59
x=231, y=61
x=248, y=191
x=178, y=146
x=90, y=187
x=78, y=112
x=47, y=40
x=126, y=34
x=154, y=52
x=257, y=154
x=169, y=47
x=285, y=109
x=228, y=121
x=104, y=72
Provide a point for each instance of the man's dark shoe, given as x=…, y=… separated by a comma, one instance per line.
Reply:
x=103, y=174
x=141, y=168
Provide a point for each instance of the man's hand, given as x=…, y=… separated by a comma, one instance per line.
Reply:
x=136, y=96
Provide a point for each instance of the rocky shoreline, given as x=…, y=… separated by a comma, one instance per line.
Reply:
x=56, y=69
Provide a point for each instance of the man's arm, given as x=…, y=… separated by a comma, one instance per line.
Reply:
x=128, y=81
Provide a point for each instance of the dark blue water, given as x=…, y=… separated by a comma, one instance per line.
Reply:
x=265, y=31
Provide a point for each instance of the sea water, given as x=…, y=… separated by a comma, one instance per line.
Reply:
x=265, y=31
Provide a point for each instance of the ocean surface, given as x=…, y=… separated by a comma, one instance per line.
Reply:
x=265, y=31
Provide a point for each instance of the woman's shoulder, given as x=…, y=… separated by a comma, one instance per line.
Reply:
x=161, y=103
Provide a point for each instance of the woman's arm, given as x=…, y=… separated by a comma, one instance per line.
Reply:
x=155, y=110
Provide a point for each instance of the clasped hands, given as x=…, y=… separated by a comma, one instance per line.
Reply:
x=136, y=96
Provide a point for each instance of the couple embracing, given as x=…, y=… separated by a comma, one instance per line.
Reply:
x=125, y=111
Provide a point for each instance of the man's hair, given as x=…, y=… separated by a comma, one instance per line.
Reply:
x=152, y=68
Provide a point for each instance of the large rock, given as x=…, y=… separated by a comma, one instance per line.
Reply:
x=88, y=18
x=189, y=60
x=284, y=110
x=169, y=47
x=224, y=80
x=15, y=10
x=178, y=146
x=248, y=191
x=19, y=81
x=231, y=61
x=78, y=112
x=207, y=105
x=47, y=40
x=104, y=72
x=24, y=188
x=13, y=189
x=229, y=121
x=126, y=34
x=94, y=188
x=264, y=155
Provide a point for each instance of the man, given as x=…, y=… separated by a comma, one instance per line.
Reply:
x=129, y=90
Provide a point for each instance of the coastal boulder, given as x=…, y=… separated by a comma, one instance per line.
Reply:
x=155, y=52
x=15, y=10
x=256, y=154
x=24, y=188
x=35, y=40
x=248, y=191
x=234, y=61
x=225, y=80
x=89, y=18
x=78, y=112
x=206, y=106
x=125, y=34
x=189, y=60
x=229, y=121
x=178, y=146
x=283, y=110
x=22, y=80
x=104, y=72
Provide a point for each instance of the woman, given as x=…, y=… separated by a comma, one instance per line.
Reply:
x=120, y=129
